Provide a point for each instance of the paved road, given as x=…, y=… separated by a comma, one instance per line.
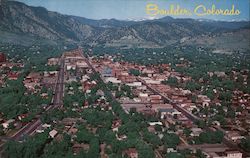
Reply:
x=59, y=90
x=93, y=69
x=188, y=114
x=202, y=146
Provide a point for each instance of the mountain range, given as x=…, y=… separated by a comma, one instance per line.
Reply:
x=22, y=24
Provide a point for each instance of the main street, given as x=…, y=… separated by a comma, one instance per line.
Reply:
x=59, y=89
x=188, y=114
x=56, y=102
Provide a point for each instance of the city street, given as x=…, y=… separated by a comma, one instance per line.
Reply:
x=56, y=103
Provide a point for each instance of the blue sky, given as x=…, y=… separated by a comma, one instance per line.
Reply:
x=135, y=9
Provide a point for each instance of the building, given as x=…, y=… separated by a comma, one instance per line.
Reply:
x=107, y=72
x=2, y=57
x=53, y=133
x=196, y=132
x=165, y=111
x=7, y=123
x=131, y=153
x=234, y=136
x=203, y=100
x=116, y=124
x=49, y=79
x=156, y=99
x=53, y=61
x=134, y=84
x=113, y=80
x=32, y=81
x=13, y=76
x=88, y=85
x=33, y=77
x=227, y=154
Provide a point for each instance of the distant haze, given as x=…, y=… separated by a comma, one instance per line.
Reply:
x=135, y=9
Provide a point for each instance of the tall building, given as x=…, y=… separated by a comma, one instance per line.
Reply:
x=2, y=57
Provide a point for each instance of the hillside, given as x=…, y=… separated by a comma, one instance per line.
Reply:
x=38, y=23
x=226, y=42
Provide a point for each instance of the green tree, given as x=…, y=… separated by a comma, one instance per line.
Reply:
x=211, y=137
x=1, y=130
x=144, y=150
x=158, y=128
x=174, y=155
x=192, y=86
x=201, y=124
x=210, y=93
x=225, y=96
x=187, y=132
x=134, y=72
x=151, y=138
x=94, y=148
x=84, y=136
x=171, y=140
x=109, y=136
x=245, y=144
x=199, y=154
x=13, y=150
x=172, y=81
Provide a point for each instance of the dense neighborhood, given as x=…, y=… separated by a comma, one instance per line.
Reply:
x=94, y=106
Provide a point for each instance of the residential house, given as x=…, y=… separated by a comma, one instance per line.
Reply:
x=13, y=76
x=2, y=57
x=196, y=132
x=7, y=123
x=116, y=124
x=53, y=61
x=234, y=136
x=53, y=133
x=131, y=153
x=226, y=154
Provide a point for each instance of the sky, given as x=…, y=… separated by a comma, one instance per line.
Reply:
x=136, y=9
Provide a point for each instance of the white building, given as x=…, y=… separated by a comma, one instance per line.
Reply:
x=53, y=133
x=113, y=80
x=134, y=84
x=7, y=123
